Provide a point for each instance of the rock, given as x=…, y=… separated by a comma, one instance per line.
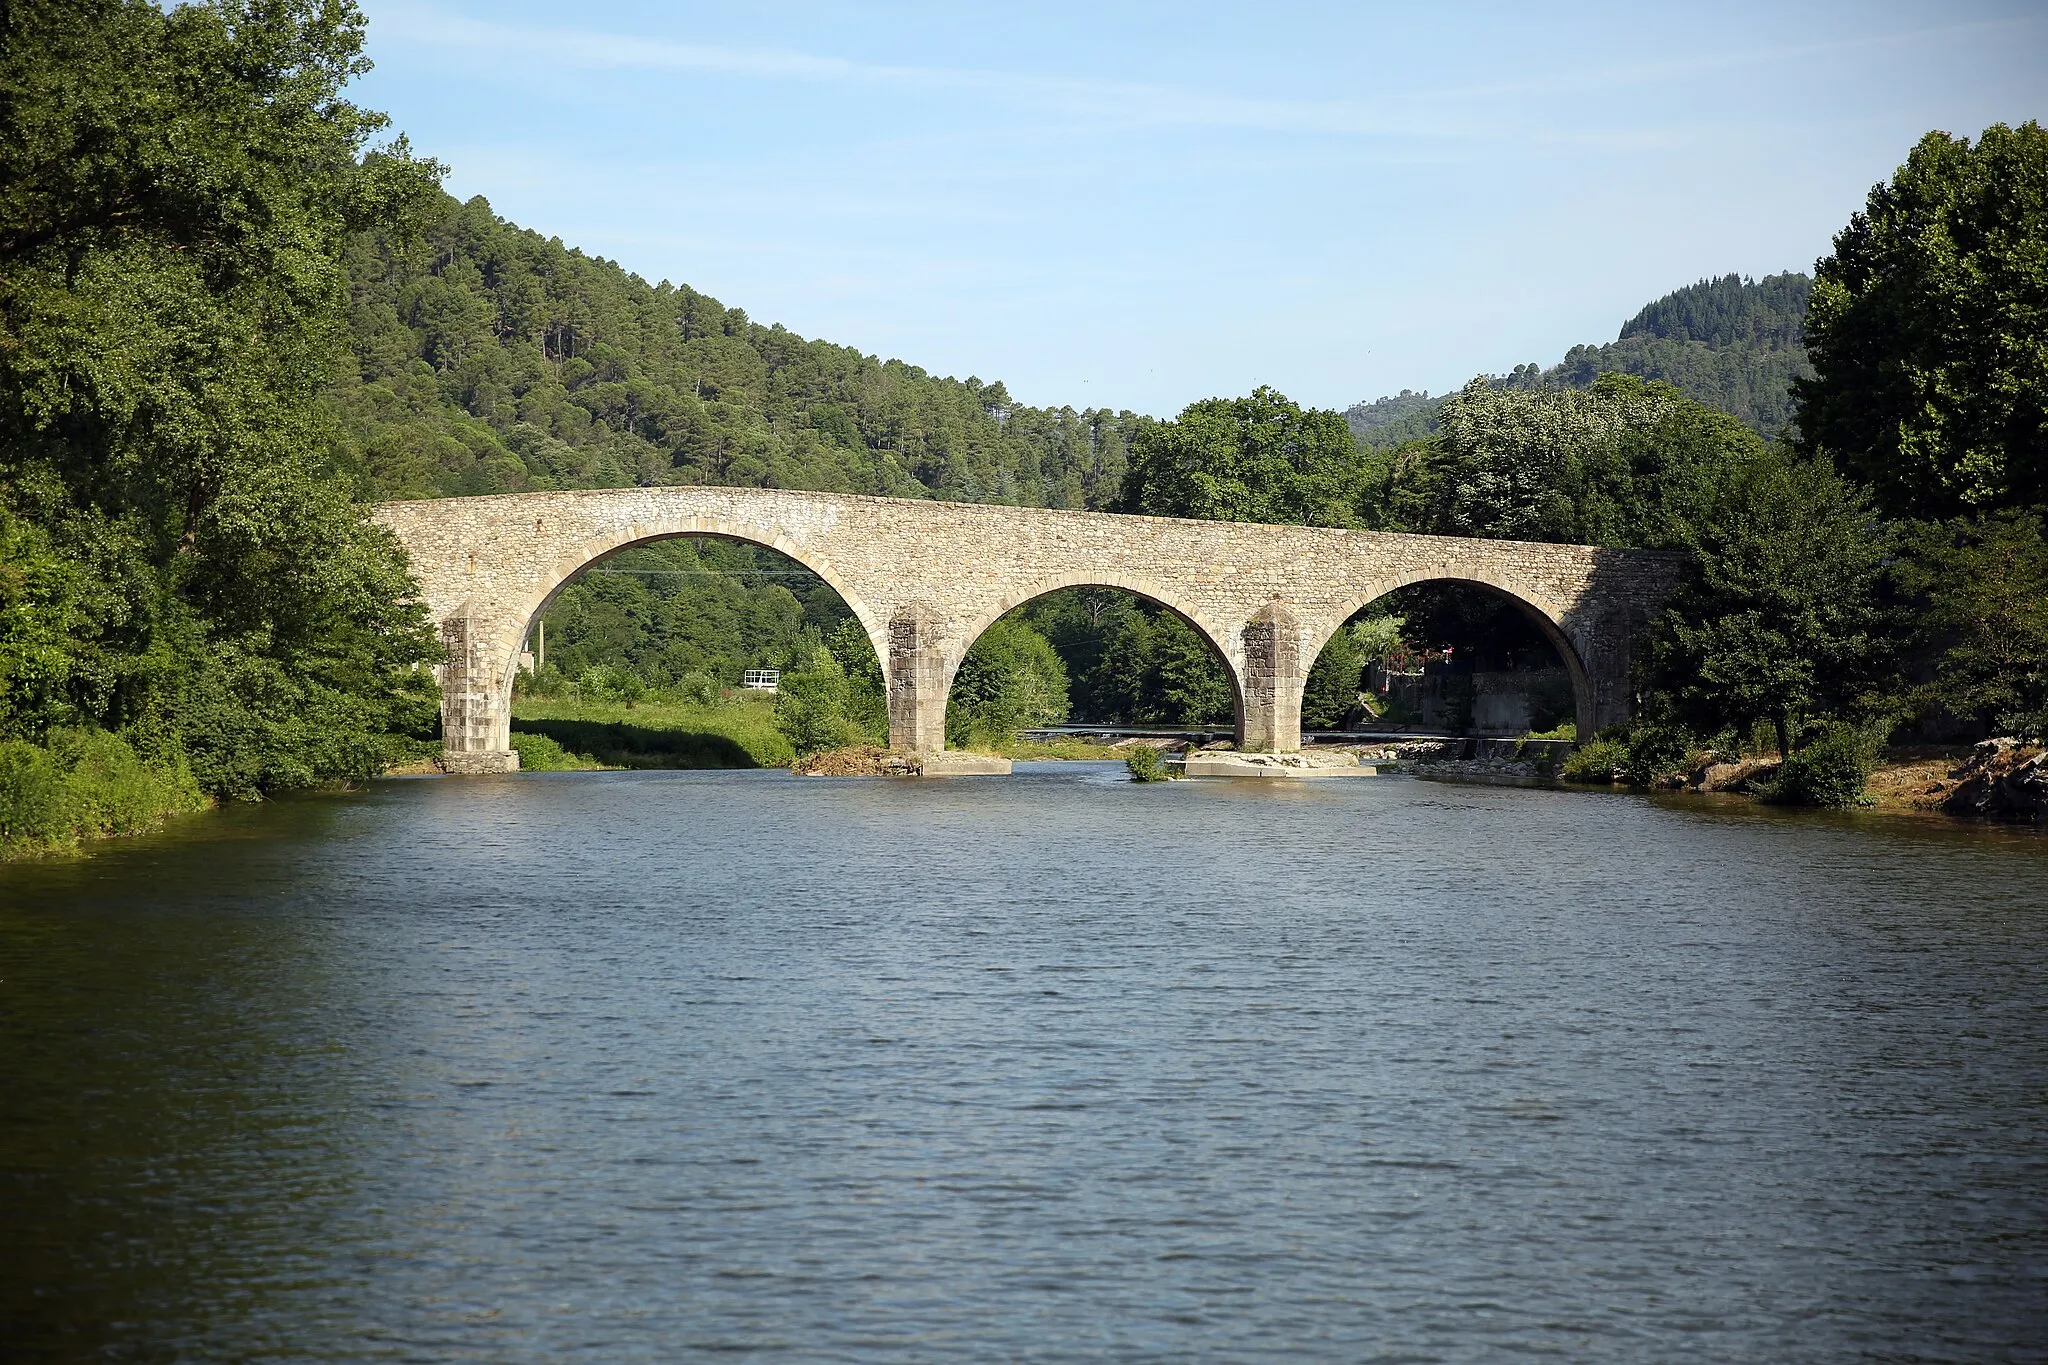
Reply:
x=2004, y=779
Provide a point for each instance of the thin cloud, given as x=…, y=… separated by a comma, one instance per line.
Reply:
x=1121, y=102
x=1439, y=114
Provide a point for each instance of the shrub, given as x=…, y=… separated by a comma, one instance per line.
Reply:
x=1145, y=765
x=1828, y=771
x=698, y=689
x=1655, y=751
x=86, y=783
x=810, y=708
x=1596, y=761
x=109, y=790
x=541, y=754
x=31, y=793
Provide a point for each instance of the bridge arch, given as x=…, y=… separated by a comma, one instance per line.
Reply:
x=582, y=555
x=1532, y=602
x=1228, y=650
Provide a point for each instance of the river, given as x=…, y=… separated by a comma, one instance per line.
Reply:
x=625, y=1067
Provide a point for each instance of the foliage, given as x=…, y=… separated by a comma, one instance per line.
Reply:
x=1393, y=420
x=698, y=689
x=1605, y=466
x=1130, y=661
x=1144, y=764
x=711, y=607
x=1012, y=679
x=543, y=754
x=491, y=359
x=1732, y=344
x=85, y=784
x=1330, y=692
x=1931, y=380
x=1598, y=760
x=1784, y=619
x=178, y=187
x=1985, y=621
x=1258, y=458
x=1654, y=751
x=811, y=708
x=867, y=697
x=1830, y=770
x=656, y=733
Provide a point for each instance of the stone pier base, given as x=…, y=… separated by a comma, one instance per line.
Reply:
x=1225, y=763
x=950, y=764
x=480, y=761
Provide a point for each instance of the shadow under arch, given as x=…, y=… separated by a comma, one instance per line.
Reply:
x=1219, y=641
x=1533, y=605
x=587, y=554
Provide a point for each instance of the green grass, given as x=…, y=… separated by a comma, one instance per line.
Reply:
x=85, y=784
x=737, y=734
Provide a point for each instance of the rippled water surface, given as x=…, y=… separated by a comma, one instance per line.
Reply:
x=626, y=1067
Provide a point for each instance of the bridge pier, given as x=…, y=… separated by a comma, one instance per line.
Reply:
x=915, y=672
x=476, y=715
x=1269, y=708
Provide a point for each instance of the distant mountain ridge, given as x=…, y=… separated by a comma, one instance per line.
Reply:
x=1732, y=343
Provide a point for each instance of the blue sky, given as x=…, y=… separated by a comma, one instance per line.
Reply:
x=1139, y=205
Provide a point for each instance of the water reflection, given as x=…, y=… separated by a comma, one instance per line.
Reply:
x=620, y=1066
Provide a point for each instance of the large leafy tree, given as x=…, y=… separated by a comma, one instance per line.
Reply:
x=176, y=195
x=1257, y=458
x=1984, y=585
x=1928, y=331
x=1785, y=621
x=1607, y=465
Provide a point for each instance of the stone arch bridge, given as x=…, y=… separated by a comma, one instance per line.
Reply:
x=926, y=578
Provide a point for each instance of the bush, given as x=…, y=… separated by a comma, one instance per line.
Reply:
x=1145, y=765
x=1655, y=751
x=83, y=784
x=810, y=708
x=109, y=790
x=31, y=793
x=1828, y=771
x=541, y=754
x=1596, y=761
x=698, y=689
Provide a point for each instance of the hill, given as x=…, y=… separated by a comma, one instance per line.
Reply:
x=1732, y=343
x=491, y=359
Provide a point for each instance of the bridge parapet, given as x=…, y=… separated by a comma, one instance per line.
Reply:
x=926, y=578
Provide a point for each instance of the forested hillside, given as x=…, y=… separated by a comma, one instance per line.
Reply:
x=1731, y=343
x=491, y=359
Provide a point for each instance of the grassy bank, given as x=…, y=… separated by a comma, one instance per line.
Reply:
x=739, y=733
x=83, y=785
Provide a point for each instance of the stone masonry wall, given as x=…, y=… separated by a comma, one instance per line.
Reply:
x=926, y=578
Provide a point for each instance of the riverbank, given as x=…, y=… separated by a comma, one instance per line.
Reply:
x=554, y=734
x=1998, y=779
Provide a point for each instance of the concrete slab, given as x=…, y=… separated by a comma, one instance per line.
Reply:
x=1225, y=763
x=950, y=764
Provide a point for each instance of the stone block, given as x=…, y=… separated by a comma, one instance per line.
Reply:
x=949, y=763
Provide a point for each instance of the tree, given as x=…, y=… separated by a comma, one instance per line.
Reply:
x=174, y=203
x=1930, y=378
x=1783, y=621
x=1258, y=458
x=1596, y=466
x=1010, y=680
x=1985, y=585
x=1330, y=693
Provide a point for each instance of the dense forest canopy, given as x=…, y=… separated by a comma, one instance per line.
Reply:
x=1731, y=343
x=490, y=359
